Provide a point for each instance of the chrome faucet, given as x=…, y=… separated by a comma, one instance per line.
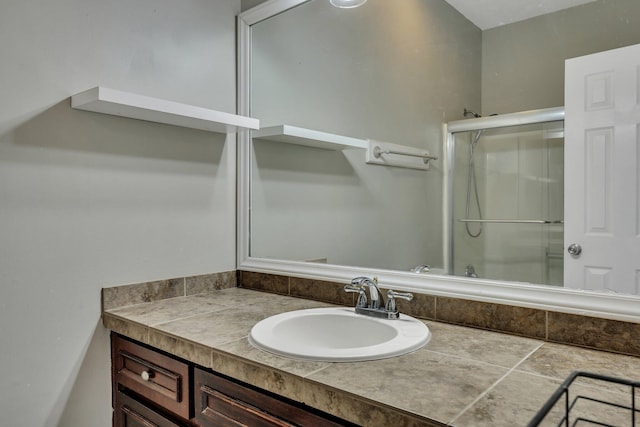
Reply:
x=422, y=268
x=377, y=306
x=374, y=292
x=362, y=301
x=470, y=271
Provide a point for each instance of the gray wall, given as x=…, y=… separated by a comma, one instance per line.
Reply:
x=89, y=200
x=392, y=71
x=523, y=63
x=248, y=4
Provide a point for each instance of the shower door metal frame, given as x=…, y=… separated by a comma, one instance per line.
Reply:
x=476, y=124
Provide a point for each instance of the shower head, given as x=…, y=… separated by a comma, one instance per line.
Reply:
x=471, y=113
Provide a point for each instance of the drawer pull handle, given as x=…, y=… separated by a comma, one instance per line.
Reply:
x=146, y=375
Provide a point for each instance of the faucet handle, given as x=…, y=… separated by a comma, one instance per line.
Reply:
x=362, y=296
x=391, y=299
x=363, y=279
x=353, y=287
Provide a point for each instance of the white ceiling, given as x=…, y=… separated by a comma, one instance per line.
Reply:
x=493, y=13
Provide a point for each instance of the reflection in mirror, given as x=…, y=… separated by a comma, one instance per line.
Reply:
x=396, y=72
x=508, y=203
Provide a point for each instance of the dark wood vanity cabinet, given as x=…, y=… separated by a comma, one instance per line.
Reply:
x=133, y=413
x=155, y=389
x=222, y=402
x=149, y=388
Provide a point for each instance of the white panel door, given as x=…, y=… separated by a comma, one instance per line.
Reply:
x=602, y=117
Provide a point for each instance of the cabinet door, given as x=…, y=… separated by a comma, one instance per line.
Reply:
x=131, y=413
x=154, y=376
x=224, y=403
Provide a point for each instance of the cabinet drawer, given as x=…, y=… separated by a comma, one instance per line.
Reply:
x=221, y=402
x=131, y=413
x=154, y=376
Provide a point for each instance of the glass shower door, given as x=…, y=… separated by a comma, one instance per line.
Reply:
x=508, y=203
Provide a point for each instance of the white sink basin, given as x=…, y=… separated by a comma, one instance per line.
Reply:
x=338, y=334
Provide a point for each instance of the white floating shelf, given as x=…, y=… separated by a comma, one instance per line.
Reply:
x=308, y=138
x=125, y=104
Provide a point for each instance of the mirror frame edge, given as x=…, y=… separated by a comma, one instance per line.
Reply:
x=572, y=301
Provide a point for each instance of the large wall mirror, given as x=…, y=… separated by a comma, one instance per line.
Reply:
x=485, y=220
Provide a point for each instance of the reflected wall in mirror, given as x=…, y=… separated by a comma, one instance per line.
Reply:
x=396, y=72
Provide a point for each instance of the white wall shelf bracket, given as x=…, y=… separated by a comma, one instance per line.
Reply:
x=125, y=104
x=308, y=138
x=400, y=156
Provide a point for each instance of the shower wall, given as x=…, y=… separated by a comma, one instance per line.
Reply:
x=519, y=173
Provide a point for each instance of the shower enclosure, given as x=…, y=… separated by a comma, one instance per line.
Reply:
x=504, y=213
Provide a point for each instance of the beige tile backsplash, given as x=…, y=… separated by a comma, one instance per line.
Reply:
x=137, y=293
x=584, y=331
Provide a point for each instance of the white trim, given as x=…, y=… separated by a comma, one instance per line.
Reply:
x=616, y=307
x=611, y=306
x=267, y=10
x=243, y=168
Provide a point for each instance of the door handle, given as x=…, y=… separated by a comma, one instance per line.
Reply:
x=574, y=249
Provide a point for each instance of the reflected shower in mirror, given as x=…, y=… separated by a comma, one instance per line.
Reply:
x=396, y=72
x=508, y=203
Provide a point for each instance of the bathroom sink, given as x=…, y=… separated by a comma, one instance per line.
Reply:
x=338, y=334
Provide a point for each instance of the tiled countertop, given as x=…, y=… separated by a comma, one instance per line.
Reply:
x=463, y=377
